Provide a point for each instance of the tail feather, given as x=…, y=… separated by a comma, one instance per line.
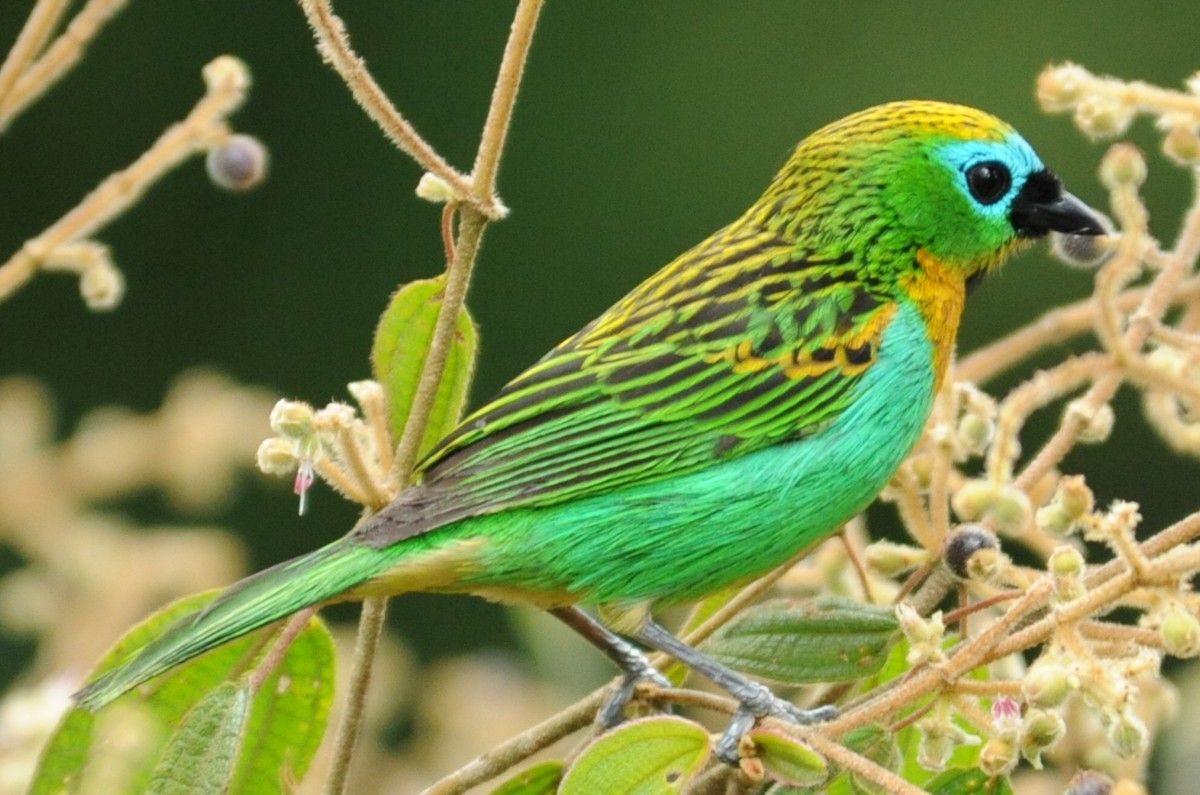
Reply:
x=254, y=602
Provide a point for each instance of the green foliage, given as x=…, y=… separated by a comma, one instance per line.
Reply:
x=200, y=727
x=540, y=779
x=402, y=341
x=643, y=757
x=823, y=640
x=201, y=754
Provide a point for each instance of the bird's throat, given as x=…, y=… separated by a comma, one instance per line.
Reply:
x=939, y=291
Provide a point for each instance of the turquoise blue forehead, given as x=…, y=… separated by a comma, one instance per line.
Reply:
x=1013, y=151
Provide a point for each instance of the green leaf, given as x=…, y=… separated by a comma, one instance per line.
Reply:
x=968, y=782
x=402, y=340
x=800, y=642
x=877, y=744
x=641, y=757
x=200, y=756
x=290, y=710
x=787, y=760
x=537, y=780
x=117, y=749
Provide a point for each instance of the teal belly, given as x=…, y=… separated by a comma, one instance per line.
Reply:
x=678, y=538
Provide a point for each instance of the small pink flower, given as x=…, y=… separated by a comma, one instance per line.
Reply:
x=303, y=482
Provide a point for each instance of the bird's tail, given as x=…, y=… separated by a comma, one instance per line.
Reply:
x=252, y=603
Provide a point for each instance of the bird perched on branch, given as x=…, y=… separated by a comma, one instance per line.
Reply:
x=736, y=407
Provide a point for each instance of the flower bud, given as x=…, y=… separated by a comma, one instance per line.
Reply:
x=1102, y=117
x=998, y=756
x=1123, y=164
x=238, y=163
x=102, y=287
x=889, y=558
x=1086, y=252
x=1053, y=520
x=1089, y=782
x=1066, y=564
x=975, y=433
x=334, y=416
x=276, y=456
x=292, y=419
x=1048, y=682
x=1003, y=504
x=968, y=542
x=1060, y=87
x=924, y=635
x=1066, y=561
x=433, y=188
x=1128, y=735
x=1182, y=144
x=1074, y=496
x=1097, y=424
x=366, y=391
x=226, y=73
x=1180, y=632
x=1039, y=731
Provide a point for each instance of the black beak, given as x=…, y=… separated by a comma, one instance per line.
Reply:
x=1043, y=206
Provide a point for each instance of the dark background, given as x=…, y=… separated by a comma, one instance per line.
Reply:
x=641, y=127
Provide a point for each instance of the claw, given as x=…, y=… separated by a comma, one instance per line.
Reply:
x=757, y=702
x=612, y=711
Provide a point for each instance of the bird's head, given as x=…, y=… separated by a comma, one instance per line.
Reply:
x=946, y=180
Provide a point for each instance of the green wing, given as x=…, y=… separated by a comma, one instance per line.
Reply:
x=741, y=343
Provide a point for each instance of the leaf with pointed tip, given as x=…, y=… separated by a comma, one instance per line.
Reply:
x=537, y=780
x=801, y=642
x=287, y=724
x=650, y=756
x=402, y=340
x=201, y=754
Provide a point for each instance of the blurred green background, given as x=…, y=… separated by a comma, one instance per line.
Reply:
x=641, y=128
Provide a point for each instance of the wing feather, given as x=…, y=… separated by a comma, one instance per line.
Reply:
x=742, y=343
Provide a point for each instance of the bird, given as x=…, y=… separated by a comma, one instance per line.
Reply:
x=732, y=410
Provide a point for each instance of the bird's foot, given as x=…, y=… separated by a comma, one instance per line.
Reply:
x=757, y=701
x=612, y=711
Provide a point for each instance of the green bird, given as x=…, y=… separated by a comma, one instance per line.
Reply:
x=733, y=409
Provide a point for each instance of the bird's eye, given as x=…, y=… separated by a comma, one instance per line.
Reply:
x=988, y=182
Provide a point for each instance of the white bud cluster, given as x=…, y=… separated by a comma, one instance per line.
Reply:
x=1004, y=505
x=1070, y=508
x=924, y=635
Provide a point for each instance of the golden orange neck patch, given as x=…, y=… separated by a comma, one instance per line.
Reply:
x=939, y=292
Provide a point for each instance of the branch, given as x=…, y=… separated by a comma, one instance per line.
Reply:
x=334, y=45
x=470, y=235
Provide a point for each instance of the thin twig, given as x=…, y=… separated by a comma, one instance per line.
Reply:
x=227, y=85
x=41, y=22
x=334, y=45
x=473, y=221
x=366, y=642
x=279, y=649
x=62, y=54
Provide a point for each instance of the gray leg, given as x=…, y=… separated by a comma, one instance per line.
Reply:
x=628, y=658
x=756, y=700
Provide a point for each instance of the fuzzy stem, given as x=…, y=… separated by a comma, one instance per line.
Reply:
x=33, y=36
x=334, y=45
x=366, y=642
x=474, y=221
x=291, y=631
x=57, y=59
x=227, y=85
